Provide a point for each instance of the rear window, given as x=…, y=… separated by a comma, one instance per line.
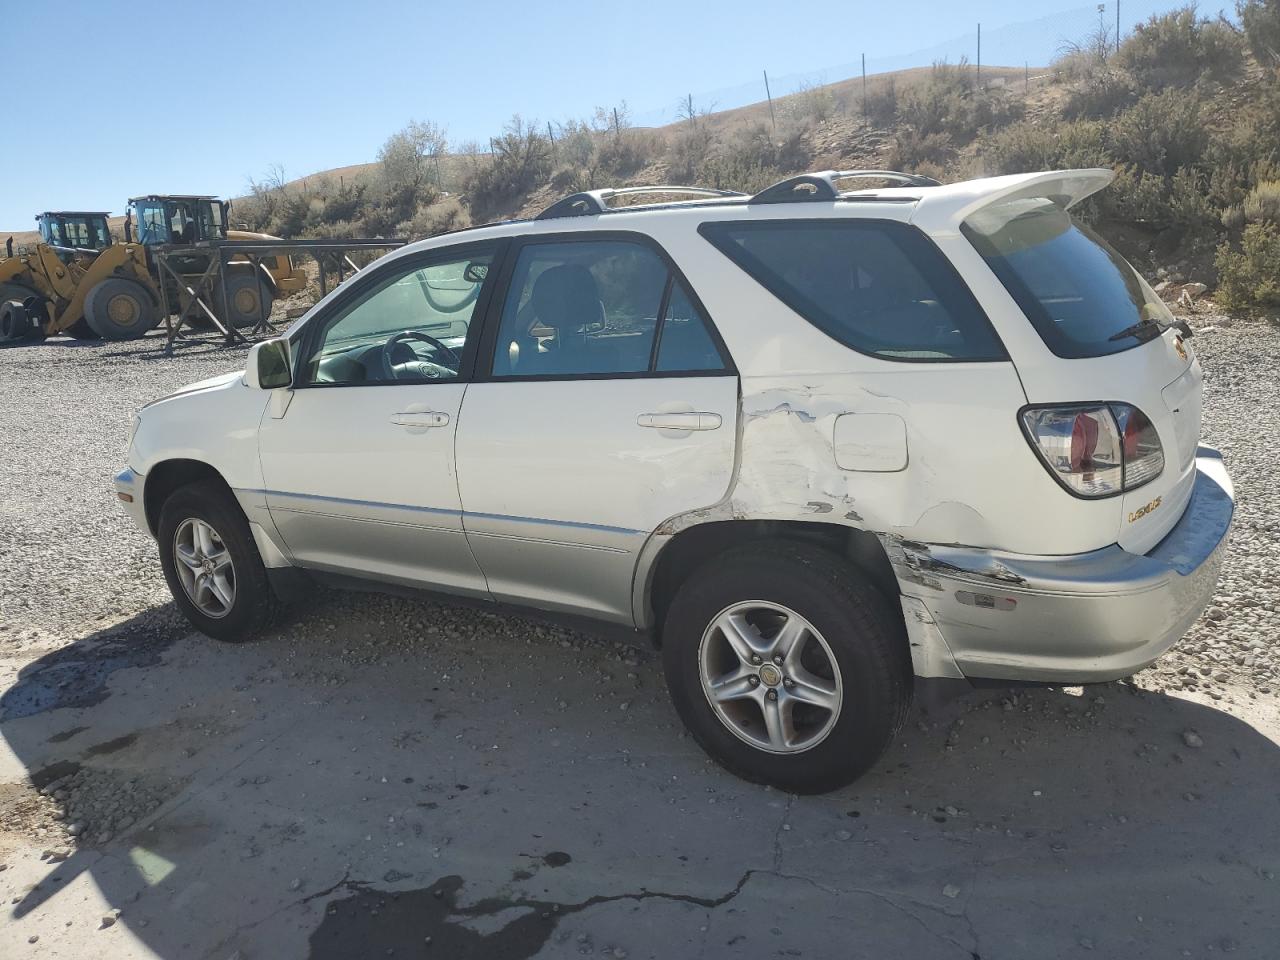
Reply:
x=879, y=287
x=1081, y=296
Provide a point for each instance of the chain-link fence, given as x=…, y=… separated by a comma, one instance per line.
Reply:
x=1031, y=45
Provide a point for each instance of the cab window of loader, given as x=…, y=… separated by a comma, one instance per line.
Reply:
x=152, y=227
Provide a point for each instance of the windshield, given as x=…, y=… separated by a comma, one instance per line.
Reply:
x=1083, y=298
x=81, y=232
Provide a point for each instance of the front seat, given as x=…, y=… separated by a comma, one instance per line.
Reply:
x=566, y=299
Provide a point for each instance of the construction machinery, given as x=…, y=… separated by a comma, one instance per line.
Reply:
x=79, y=281
x=75, y=229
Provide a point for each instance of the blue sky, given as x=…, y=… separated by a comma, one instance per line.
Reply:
x=194, y=97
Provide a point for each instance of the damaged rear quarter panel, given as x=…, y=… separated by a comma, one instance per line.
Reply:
x=970, y=478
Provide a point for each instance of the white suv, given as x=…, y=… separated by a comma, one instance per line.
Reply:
x=817, y=444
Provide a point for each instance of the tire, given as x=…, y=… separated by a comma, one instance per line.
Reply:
x=853, y=655
x=249, y=299
x=14, y=324
x=253, y=606
x=120, y=309
x=19, y=294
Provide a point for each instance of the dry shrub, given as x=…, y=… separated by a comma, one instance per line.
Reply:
x=1249, y=278
x=442, y=216
x=1180, y=48
x=1263, y=203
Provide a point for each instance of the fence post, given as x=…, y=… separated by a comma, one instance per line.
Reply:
x=866, y=120
x=979, y=64
x=773, y=120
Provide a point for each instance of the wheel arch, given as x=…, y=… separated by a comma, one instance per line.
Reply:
x=693, y=546
x=167, y=476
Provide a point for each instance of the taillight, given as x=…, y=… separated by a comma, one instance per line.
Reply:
x=1095, y=450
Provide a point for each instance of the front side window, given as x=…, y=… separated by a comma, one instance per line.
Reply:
x=880, y=287
x=411, y=326
x=1082, y=297
x=599, y=307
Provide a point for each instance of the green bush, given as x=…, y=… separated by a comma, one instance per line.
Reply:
x=1261, y=22
x=1026, y=147
x=1160, y=133
x=435, y=218
x=881, y=106
x=950, y=102
x=1101, y=93
x=521, y=161
x=1249, y=279
x=1180, y=48
x=1263, y=203
x=912, y=150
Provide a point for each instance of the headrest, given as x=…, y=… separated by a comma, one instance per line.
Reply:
x=566, y=297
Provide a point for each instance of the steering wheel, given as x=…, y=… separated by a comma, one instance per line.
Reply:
x=423, y=368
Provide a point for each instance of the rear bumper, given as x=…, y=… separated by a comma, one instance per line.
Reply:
x=1077, y=619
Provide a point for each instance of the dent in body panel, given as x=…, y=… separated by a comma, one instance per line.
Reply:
x=787, y=470
x=915, y=562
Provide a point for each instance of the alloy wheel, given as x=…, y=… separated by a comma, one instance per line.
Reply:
x=770, y=676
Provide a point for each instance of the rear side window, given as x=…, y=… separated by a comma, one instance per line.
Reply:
x=1082, y=297
x=877, y=286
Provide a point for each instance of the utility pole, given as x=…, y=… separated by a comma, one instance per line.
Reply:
x=617, y=127
x=773, y=120
x=1117, y=26
x=1102, y=31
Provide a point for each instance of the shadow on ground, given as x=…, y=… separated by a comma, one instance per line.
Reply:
x=388, y=778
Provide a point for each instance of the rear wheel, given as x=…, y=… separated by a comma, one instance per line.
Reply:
x=249, y=298
x=120, y=309
x=212, y=565
x=787, y=666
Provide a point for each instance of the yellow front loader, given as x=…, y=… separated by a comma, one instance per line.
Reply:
x=85, y=292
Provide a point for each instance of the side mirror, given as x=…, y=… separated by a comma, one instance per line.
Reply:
x=268, y=367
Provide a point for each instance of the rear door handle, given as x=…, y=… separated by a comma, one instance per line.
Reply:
x=417, y=421
x=680, y=421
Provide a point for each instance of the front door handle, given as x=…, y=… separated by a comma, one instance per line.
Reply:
x=680, y=421
x=419, y=420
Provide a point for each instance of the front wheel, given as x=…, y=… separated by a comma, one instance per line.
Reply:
x=118, y=308
x=787, y=666
x=212, y=565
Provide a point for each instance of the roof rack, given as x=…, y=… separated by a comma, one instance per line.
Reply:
x=822, y=185
x=588, y=203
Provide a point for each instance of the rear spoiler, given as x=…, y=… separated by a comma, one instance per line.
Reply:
x=942, y=210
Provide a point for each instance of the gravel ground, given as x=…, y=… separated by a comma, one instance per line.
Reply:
x=72, y=561
x=1234, y=642
x=360, y=766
